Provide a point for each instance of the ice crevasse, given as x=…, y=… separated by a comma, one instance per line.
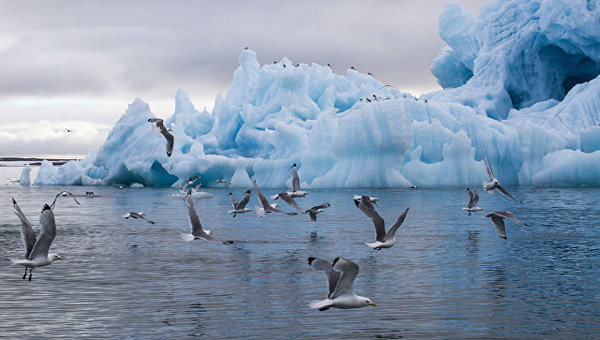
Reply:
x=520, y=83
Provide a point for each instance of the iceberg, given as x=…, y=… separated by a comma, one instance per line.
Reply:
x=26, y=176
x=519, y=83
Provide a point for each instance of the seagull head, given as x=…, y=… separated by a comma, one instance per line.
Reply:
x=366, y=301
x=52, y=257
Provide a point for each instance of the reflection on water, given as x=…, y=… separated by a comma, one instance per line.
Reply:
x=448, y=276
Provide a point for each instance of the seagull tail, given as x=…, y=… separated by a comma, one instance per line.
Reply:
x=320, y=305
x=187, y=237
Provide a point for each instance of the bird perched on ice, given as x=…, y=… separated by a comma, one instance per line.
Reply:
x=158, y=124
x=312, y=212
x=383, y=239
x=493, y=184
x=473, y=199
x=138, y=216
x=36, y=250
x=340, y=279
x=497, y=218
x=239, y=207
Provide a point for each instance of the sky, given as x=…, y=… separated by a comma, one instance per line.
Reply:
x=77, y=64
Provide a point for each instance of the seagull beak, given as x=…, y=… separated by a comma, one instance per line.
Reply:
x=59, y=258
x=372, y=304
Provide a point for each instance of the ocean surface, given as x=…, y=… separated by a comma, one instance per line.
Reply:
x=448, y=276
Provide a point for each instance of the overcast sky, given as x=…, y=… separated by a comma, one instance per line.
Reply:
x=78, y=64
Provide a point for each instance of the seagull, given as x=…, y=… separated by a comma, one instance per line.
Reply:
x=383, y=239
x=266, y=207
x=371, y=199
x=36, y=251
x=185, y=189
x=497, y=218
x=68, y=130
x=473, y=199
x=139, y=216
x=287, y=197
x=119, y=187
x=340, y=278
x=296, y=191
x=223, y=181
x=312, y=212
x=197, y=230
x=239, y=207
x=413, y=187
x=90, y=193
x=493, y=184
x=64, y=194
x=159, y=124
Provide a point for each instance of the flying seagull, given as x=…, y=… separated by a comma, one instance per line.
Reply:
x=312, y=212
x=119, y=187
x=493, y=184
x=296, y=191
x=340, y=278
x=473, y=199
x=36, y=251
x=159, y=124
x=137, y=215
x=223, y=181
x=371, y=199
x=266, y=207
x=239, y=207
x=63, y=193
x=197, y=231
x=285, y=196
x=383, y=239
x=497, y=218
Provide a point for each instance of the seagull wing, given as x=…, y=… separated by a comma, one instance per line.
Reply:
x=470, y=205
x=263, y=201
x=499, y=224
x=489, y=169
x=242, y=204
x=234, y=203
x=289, y=200
x=313, y=215
x=348, y=270
x=510, y=215
x=42, y=246
x=333, y=276
x=392, y=232
x=195, y=224
x=27, y=234
x=295, y=179
x=60, y=194
x=367, y=208
x=322, y=206
x=504, y=192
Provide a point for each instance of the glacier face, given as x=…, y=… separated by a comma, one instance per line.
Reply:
x=520, y=84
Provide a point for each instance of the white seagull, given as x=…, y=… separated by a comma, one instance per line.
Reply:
x=340, y=278
x=371, y=199
x=383, y=239
x=162, y=130
x=296, y=191
x=493, y=184
x=138, y=216
x=197, y=231
x=287, y=198
x=239, y=207
x=497, y=218
x=473, y=199
x=36, y=251
x=63, y=193
x=312, y=212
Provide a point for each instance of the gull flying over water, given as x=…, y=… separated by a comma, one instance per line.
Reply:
x=223, y=181
x=266, y=207
x=198, y=231
x=239, y=207
x=383, y=239
x=371, y=199
x=287, y=198
x=296, y=191
x=473, y=199
x=36, y=250
x=137, y=215
x=312, y=212
x=340, y=279
x=493, y=184
x=63, y=193
x=162, y=130
x=497, y=218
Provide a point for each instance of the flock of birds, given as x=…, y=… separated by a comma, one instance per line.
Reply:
x=340, y=273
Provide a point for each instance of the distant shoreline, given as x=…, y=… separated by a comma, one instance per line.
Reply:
x=37, y=160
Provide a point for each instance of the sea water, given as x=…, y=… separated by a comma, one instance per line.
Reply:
x=448, y=275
